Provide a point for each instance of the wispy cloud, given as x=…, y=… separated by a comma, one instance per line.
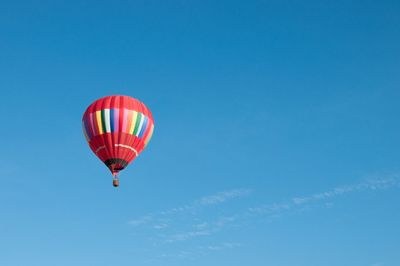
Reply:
x=187, y=235
x=140, y=221
x=208, y=215
x=221, y=246
x=223, y=196
x=201, y=225
x=297, y=201
x=369, y=185
x=274, y=207
x=160, y=226
x=194, y=252
x=161, y=217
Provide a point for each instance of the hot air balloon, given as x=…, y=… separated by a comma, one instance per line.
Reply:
x=117, y=129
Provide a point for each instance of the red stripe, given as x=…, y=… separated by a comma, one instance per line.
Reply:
x=128, y=102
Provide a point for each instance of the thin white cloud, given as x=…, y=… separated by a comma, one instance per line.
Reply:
x=221, y=246
x=167, y=219
x=192, y=253
x=369, y=185
x=187, y=235
x=223, y=196
x=202, y=229
x=140, y=221
x=274, y=209
x=160, y=226
x=222, y=221
x=183, y=254
x=192, y=221
x=201, y=225
x=210, y=200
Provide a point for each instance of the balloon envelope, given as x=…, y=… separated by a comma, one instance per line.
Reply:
x=117, y=129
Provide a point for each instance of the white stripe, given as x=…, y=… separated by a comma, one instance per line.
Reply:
x=107, y=119
x=128, y=147
x=99, y=148
x=140, y=125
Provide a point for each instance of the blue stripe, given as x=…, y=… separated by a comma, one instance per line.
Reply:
x=111, y=120
x=143, y=129
x=88, y=132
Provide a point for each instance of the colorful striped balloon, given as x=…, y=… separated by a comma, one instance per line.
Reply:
x=117, y=129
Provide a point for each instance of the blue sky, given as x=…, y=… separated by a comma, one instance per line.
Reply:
x=277, y=138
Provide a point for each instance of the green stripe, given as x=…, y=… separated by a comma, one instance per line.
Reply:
x=103, y=121
x=139, y=117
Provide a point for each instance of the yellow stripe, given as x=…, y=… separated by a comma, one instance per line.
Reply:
x=127, y=114
x=134, y=118
x=98, y=119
